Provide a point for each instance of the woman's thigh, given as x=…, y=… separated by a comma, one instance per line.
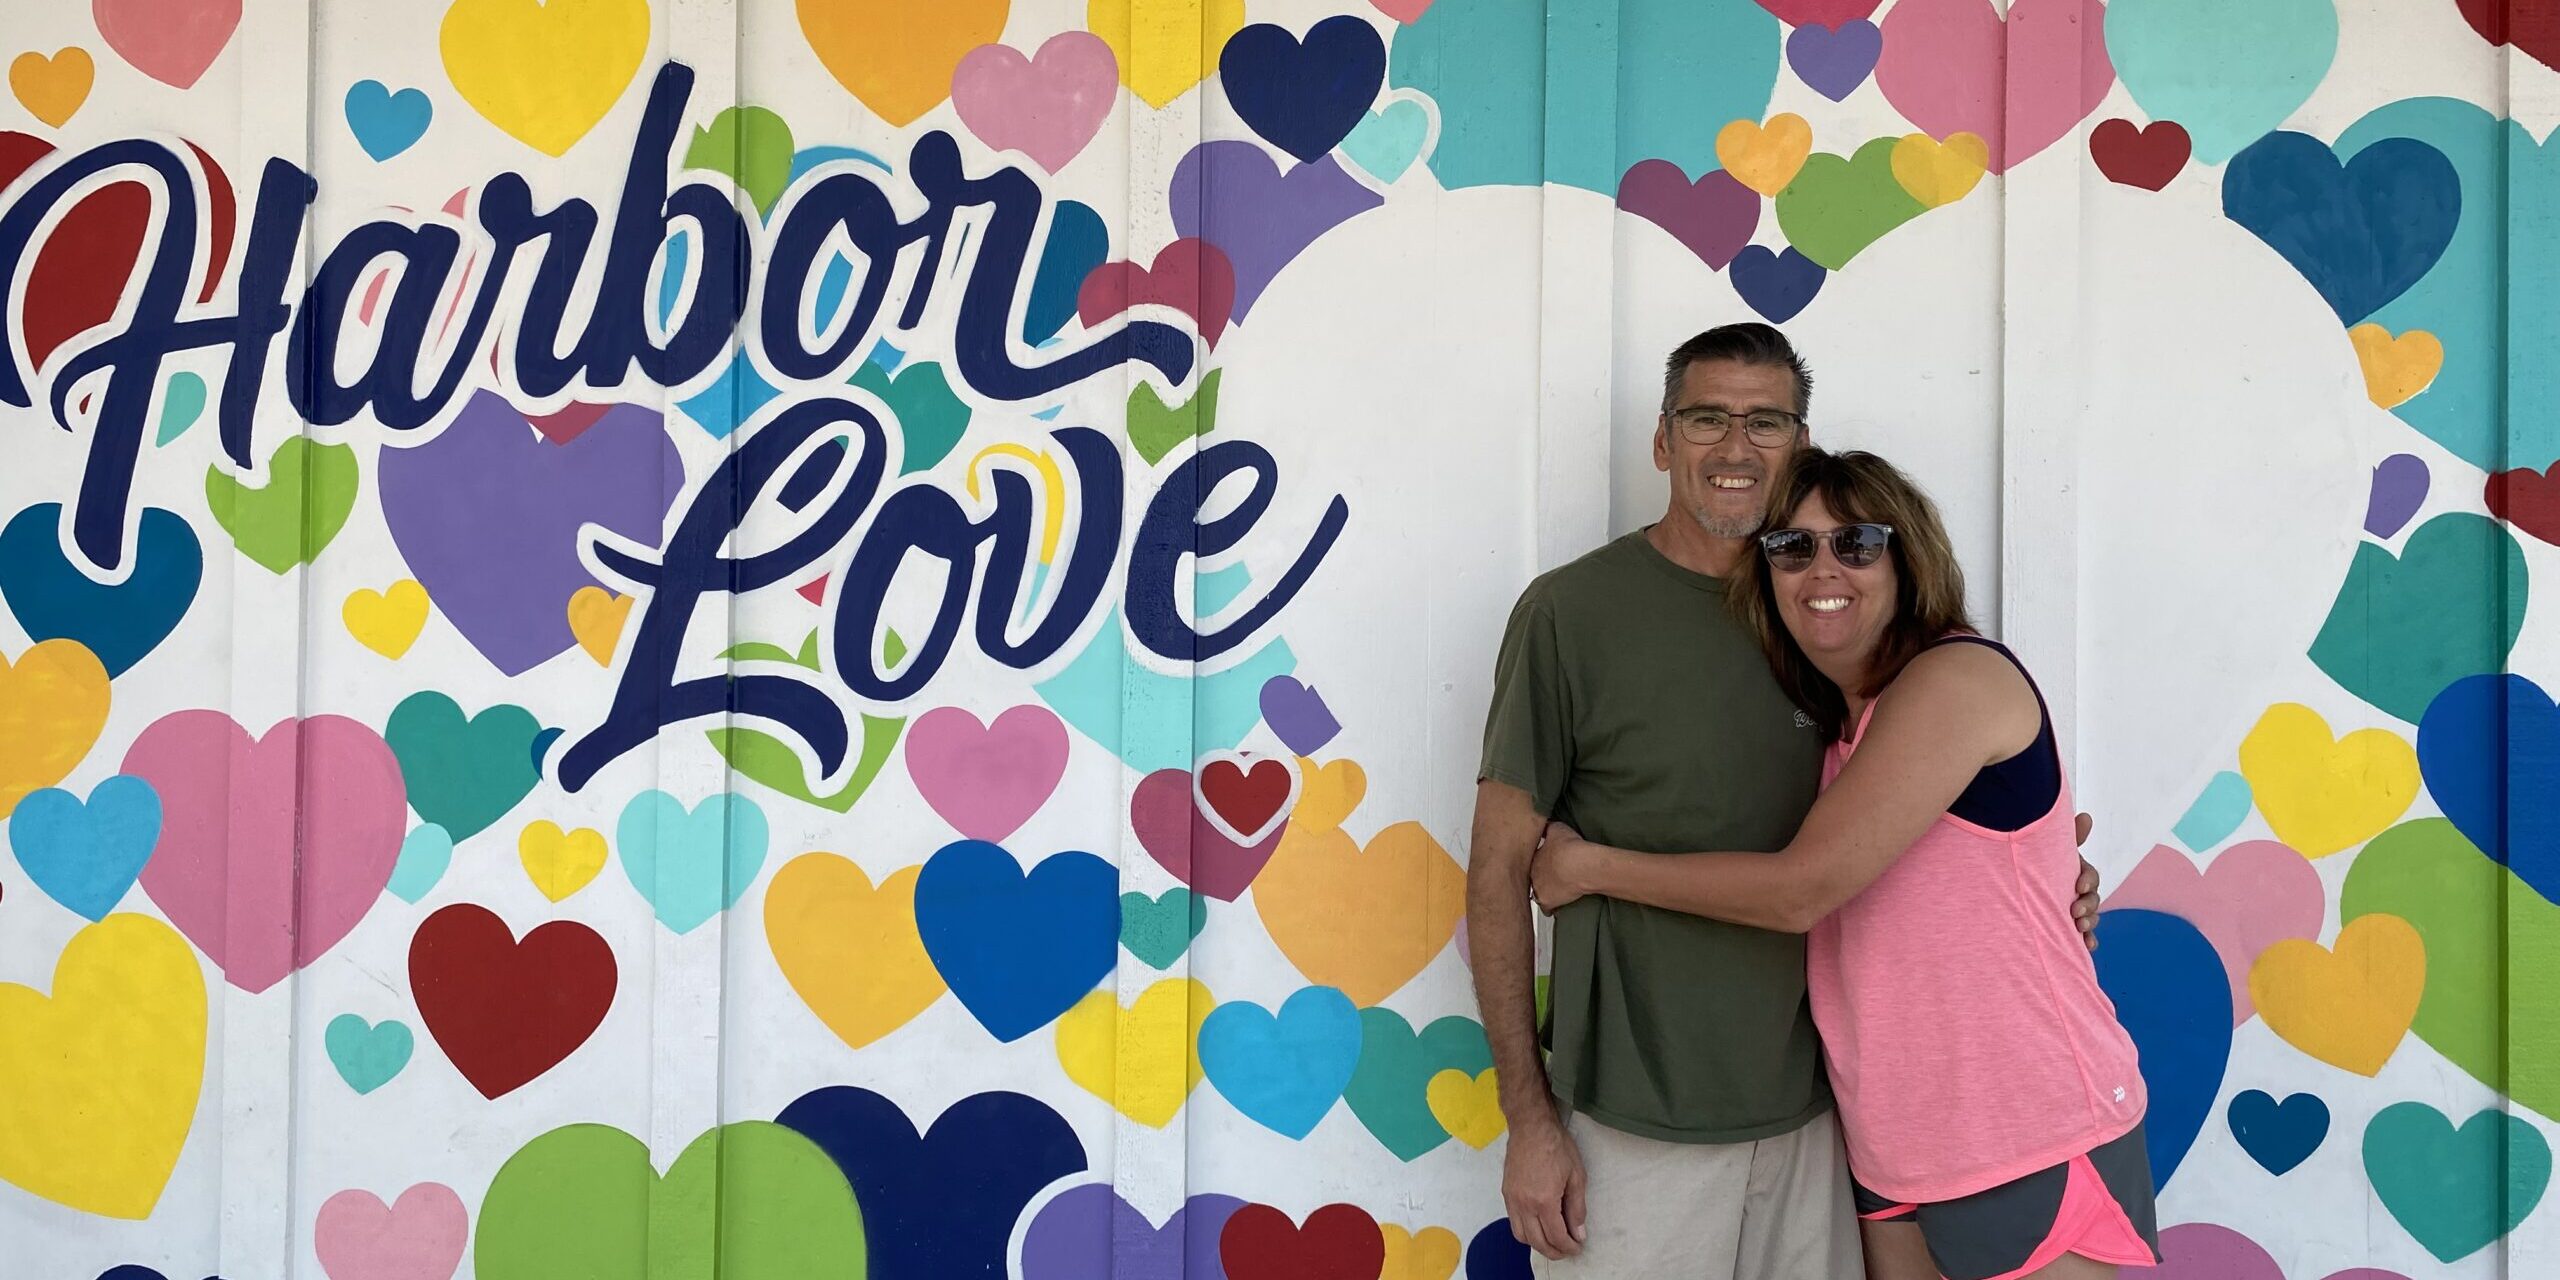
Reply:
x=1896, y=1251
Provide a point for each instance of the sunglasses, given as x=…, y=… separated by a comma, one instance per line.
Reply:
x=1855, y=546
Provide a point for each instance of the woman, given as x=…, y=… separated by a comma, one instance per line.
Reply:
x=1990, y=1100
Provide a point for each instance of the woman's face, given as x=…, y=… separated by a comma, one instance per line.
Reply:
x=1836, y=611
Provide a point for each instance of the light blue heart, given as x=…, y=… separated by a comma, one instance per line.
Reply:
x=423, y=858
x=2230, y=73
x=1154, y=720
x=1285, y=1072
x=367, y=1055
x=387, y=123
x=2215, y=814
x=690, y=865
x=1386, y=142
x=180, y=408
x=85, y=856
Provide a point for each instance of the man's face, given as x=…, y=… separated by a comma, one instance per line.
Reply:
x=1724, y=485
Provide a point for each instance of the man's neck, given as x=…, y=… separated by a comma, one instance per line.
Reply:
x=1677, y=536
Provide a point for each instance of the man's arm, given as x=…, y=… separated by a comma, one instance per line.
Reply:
x=1541, y=1173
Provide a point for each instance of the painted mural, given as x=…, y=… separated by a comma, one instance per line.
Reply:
x=846, y=638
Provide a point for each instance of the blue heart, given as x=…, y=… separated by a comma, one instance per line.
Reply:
x=119, y=622
x=2216, y=813
x=366, y=1055
x=424, y=855
x=542, y=746
x=2487, y=738
x=387, y=123
x=86, y=856
x=1284, y=1073
x=2174, y=998
x=1777, y=285
x=691, y=865
x=942, y=1205
x=1304, y=98
x=1386, y=141
x=2279, y=1135
x=1078, y=242
x=1018, y=950
x=2361, y=233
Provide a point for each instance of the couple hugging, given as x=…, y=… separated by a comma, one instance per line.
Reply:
x=1805, y=836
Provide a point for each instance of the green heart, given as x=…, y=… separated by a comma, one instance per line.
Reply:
x=1155, y=429
x=1159, y=929
x=761, y=757
x=752, y=146
x=2480, y=925
x=2443, y=1183
x=181, y=407
x=2402, y=629
x=1387, y=1088
x=1836, y=207
x=462, y=774
x=930, y=419
x=746, y=1201
x=310, y=490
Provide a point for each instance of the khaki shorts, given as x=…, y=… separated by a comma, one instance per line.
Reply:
x=1776, y=1209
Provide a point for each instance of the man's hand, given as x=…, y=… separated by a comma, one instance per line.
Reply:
x=1542, y=1187
x=2084, y=909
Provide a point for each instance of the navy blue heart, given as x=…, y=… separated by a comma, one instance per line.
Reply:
x=2362, y=232
x=1304, y=98
x=136, y=1271
x=1079, y=241
x=1777, y=285
x=119, y=622
x=939, y=1206
x=1496, y=1254
x=2483, y=739
x=2174, y=998
x=2279, y=1135
x=1018, y=950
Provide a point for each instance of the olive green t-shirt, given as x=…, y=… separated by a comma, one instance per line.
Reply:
x=1629, y=702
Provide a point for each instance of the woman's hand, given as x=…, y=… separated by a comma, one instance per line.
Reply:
x=1554, y=870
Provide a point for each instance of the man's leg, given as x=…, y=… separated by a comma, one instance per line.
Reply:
x=1797, y=1222
x=1656, y=1210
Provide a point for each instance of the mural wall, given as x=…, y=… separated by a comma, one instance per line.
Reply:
x=848, y=637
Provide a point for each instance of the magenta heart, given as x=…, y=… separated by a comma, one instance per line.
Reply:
x=1713, y=216
x=1190, y=276
x=1819, y=13
x=1165, y=812
x=2257, y=893
x=1946, y=62
x=568, y=424
x=171, y=41
x=270, y=850
x=987, y=780
x=1046, y=107
x=420, y=1237
x=2204, y=1251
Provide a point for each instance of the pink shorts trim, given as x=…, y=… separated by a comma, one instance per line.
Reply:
x=2089, y=1223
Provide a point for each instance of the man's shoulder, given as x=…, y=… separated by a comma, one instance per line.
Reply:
x=1606, y=570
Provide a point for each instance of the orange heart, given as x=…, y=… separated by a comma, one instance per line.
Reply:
x=53, y=88
x=1361, y=921
x=1765, y=157
x=53, y=704
x=595, y=618
x=897, y=56
x=2396, y=369
x=2348, y=1007
x=1327, y=793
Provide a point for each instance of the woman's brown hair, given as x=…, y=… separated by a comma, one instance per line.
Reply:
x=1858, y=487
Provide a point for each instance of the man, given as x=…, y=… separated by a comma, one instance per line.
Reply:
x=1683, y=1100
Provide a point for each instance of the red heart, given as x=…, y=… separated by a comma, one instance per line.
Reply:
x=2531, y=25
x=2529, y=500
x=2146, y=157
x=1819, y=13
x=81, y=272
x=1191, y=276
x=569, y=423
x=506, y=1011
x=1339, y=1242
x=1248, y=799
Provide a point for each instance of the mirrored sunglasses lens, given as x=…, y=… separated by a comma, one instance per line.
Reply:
x=1789, y=552
x=1859, y=544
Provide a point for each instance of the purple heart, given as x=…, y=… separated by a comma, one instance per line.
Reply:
x=1090, y=1233
x=1714, y=216
x=487, y=515
x=1174, y=831
x=1777, y=285
x=1231, y=194
x=1298, y=714
x=1834, y=61
x=2399, y=488
x=2206, y=1251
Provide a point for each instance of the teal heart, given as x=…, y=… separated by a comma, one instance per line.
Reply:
x=2450, y=605
x=2215, y=814
x=1387, y=1090
x=2457, y=1190
x=690, y=864
x=462, y=774
x=2230, y=73
x=180, y=408
x=1158, y=930
x=367, y=1055
x=423, y=858
x=310, y=491
x=1387, y=141
x=928, y=417
x=1836, y=207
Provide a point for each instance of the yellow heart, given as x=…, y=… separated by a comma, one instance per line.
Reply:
x=2322, y=795
x=387, y=622
x=98, y=1083
x=560, y=863
x=1940, y=173
x=1145, y=1059
x=851, y=951
x=1361, y=922
x=1765, y=157
x=1164, y=46
x=2396, y=369
x=1327, y=793
x=53, y=88
x=52, y=706
x=595, y=618
x=1428, y=1254
x=545, y=71
x=897, y=56
x=1469, y=1107
x=2348, y=1008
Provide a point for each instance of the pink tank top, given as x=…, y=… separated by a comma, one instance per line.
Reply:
x=1968, y=1040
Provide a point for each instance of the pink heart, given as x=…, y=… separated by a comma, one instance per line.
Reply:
x=2204, y=1251
x=1404, y=11
x=1046, y=107
x=2256, y=894
x=303, y=824
x=1819, y=13
x=1943, y=69
x=1190, y=276
x=171, y=41
x=1166, y=814
x=987, y=780
x=418, y=1238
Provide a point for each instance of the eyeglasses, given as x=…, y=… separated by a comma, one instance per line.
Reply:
x=1854, y=545
x=1767, y=428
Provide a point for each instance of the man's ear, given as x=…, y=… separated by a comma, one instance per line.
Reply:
x=1662, y=442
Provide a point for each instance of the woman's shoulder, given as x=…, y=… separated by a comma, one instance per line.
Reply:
x=1962, y=676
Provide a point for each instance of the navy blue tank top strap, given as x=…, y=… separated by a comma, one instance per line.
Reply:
x=2009, y=795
